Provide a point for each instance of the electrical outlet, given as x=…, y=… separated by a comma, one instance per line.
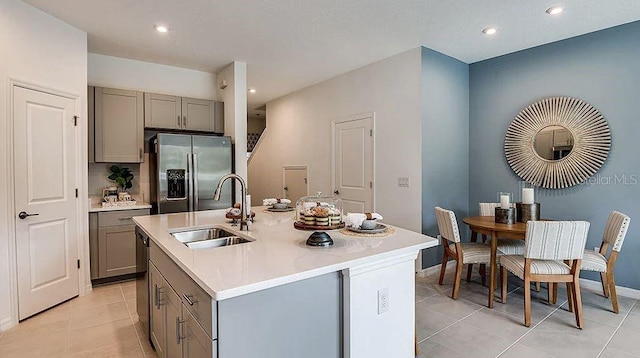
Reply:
x=383, y=300
x=596, y=249
x=403, y=182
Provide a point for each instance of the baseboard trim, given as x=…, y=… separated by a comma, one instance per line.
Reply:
x=585, y=283
x=621, y=291
x=7, y=323
x=435, y=269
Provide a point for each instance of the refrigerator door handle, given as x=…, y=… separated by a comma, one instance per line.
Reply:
x=194, y=166
x=190, y=181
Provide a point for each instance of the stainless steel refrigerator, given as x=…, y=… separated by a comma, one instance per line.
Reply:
x=184, y=171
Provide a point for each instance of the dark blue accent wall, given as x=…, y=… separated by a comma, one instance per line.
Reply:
x=601, y=68
x=445, y=141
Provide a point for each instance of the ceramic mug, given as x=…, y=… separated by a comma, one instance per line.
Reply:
x=124, y=196
x=111, y=198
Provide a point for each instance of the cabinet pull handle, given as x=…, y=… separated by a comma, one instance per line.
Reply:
x=189, y=299
x=126, y=218
x=179, y=336
x=178, y=121
x=184, y=121
x=141, y=153
x=156, y=296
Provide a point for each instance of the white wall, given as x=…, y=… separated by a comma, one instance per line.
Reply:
x=234, y=97
x=299, y=133
x=116, y=72
x=42, y=50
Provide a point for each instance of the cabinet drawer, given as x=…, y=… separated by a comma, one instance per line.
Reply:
x=196, y=343
x=120, y=217
x=195, y=299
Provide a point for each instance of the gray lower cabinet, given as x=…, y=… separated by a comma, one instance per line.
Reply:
x=112, y=243
x=300, y=319
x=174, y=331
x=119, y=126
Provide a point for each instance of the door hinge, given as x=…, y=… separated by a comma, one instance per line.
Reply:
x=76, y=192
x=370, y=132
x=75, y=120
x=78, y=263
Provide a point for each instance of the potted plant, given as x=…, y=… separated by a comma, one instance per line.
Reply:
x=122, y=176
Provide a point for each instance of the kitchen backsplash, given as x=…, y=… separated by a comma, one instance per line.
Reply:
x=99, y=172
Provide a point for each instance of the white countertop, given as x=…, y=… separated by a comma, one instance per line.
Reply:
x=277, y=256
x=97, y=207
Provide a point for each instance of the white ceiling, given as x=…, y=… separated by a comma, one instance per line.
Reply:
x=291, y=44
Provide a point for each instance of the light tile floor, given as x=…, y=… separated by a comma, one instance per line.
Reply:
x=467, y=328
x=104, y=323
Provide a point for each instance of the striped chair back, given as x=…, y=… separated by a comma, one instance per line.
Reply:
x=487, y=209
x=447, y=224
x=616, y=230
x=555, y=240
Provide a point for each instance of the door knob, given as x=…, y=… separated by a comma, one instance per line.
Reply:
x=286, y=188
x=23, y=215
x=337, y=192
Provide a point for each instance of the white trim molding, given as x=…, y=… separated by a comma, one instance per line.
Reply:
x=596, y=286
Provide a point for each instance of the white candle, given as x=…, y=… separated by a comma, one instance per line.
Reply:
x=248, y=205
x=504, y=201
x=527, y=196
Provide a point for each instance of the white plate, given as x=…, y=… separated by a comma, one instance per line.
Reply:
x=378, y=229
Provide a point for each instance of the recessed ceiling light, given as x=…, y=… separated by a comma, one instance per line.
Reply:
x=252, y=90
x=490, y=30
x=555, y=10
x=161, y=28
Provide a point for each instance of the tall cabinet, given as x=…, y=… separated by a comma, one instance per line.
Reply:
x=119, y=125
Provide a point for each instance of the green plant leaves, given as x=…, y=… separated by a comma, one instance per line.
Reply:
x=122, y=176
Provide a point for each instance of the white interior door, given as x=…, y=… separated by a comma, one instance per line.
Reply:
x=353, y=164
x=295, y=183
x=45, y=178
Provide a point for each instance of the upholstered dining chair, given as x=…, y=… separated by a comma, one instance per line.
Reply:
x=463, y=252
x=553, y=253
x=614, y=233
x=505, y=246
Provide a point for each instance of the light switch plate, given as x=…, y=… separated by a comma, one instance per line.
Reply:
x=403, y=182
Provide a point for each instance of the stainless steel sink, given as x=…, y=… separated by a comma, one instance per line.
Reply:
x=208, y=238
x=209, y=244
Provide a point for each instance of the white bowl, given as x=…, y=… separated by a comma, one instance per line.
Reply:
x=280, y=205
x=369, y=224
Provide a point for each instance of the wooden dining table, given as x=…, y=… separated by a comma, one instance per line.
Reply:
x=486, y=225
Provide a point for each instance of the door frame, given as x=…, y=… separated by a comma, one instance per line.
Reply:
x=82, y=209
x=351, y=118
x=293, y=167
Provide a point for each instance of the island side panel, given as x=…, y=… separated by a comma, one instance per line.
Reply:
x=377, y=326
x=300, y=319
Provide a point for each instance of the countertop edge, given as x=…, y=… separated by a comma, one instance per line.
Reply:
x=278, y=281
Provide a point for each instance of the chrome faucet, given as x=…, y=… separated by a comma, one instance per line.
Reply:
x=244, y=222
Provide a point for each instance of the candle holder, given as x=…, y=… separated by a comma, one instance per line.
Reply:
x=504, y=200
x=505, y=216
x=528, y=212
x=527, y=193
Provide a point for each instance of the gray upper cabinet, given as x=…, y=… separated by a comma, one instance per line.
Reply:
x=162, y=111
x=197, y=114
x=171, y=112
x=119, y=125
x=91, y=123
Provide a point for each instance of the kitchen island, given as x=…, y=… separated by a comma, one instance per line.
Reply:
x=277, y=297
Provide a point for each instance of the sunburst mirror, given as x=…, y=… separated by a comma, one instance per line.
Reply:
x=557, y=142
